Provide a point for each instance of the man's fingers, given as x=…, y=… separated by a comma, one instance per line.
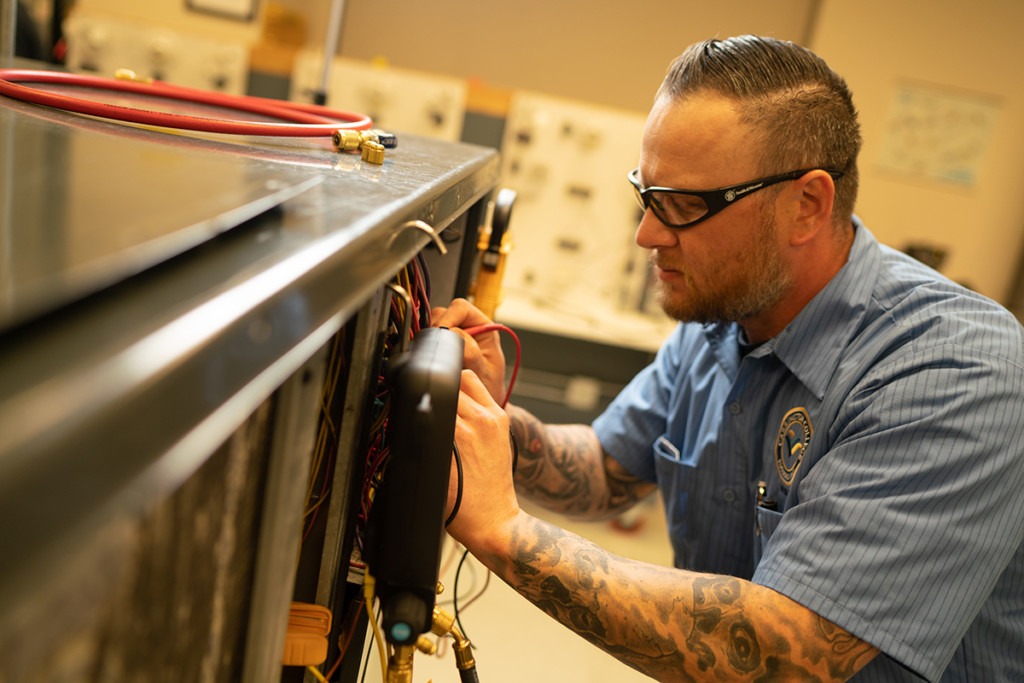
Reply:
x=472, y=387
x=459, y=314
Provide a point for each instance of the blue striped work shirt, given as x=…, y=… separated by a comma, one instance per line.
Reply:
x=886, y=423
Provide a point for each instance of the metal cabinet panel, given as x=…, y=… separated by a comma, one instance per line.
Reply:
x=156, y=291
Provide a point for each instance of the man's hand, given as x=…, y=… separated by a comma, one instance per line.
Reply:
x=483, y=354
x=488, y=498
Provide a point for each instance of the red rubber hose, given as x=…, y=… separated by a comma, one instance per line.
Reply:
x=304, y=120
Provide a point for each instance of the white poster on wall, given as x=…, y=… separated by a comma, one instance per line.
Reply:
x=937, y=133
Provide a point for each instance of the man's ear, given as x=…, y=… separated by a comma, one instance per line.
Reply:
x=812, y=195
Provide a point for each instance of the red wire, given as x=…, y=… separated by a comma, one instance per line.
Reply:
x=491, y=327
x=305, y=120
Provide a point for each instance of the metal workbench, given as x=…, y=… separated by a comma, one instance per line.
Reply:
x=156, y=289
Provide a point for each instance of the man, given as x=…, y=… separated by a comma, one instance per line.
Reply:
x=836, y=430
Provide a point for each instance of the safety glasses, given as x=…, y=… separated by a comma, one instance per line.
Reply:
x=682, y=208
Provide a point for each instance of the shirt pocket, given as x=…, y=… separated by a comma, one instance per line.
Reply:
x=677, y=481
x=675, y=474
x=677, y=471
x=766, y=523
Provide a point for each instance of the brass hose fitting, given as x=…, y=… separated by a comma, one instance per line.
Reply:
x=442, y=622
x=443, y=625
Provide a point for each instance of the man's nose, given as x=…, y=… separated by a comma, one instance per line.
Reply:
x=651, y=233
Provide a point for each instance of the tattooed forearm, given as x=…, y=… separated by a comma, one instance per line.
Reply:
x=562, y=467
x=842, y=643
x=671, y=624
x=554, y=465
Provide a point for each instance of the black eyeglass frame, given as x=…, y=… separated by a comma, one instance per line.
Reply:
x=715, y=200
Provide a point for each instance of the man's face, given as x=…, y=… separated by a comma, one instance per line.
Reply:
x=731, y=266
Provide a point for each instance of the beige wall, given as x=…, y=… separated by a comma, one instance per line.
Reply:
x=971, y=48
x=592, y=51
x=616, y=54
x=603, y=52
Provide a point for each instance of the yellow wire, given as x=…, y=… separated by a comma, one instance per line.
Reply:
x=325, y=430
x=326, y=427
x=316, y=672
x=313, y=508
x=368, y=585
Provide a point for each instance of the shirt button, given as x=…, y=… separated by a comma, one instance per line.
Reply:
x=729, y=496
x=735, y=408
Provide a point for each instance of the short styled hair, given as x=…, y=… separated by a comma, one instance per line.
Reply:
x=801, y=110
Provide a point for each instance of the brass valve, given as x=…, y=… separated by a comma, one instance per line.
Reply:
x=373, y=152
x=400, y=665
x=380, y=137
x=370, y=142
x=426, y=645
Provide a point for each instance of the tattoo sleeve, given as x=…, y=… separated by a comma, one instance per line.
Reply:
x=564, y=468
x=671, y=624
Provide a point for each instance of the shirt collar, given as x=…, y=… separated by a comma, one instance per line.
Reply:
x=813, y=342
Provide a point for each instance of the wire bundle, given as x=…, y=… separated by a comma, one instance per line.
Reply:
x=326, y=446
x=410, y=312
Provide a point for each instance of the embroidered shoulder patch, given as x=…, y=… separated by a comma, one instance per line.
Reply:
x=794, y=437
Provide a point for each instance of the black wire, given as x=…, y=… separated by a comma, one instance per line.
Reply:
x=366, y=662
x=458, y=467
x=426, y=274
x=455, y=599
x=458, y=492
x=455, y=511
x=370, y=647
